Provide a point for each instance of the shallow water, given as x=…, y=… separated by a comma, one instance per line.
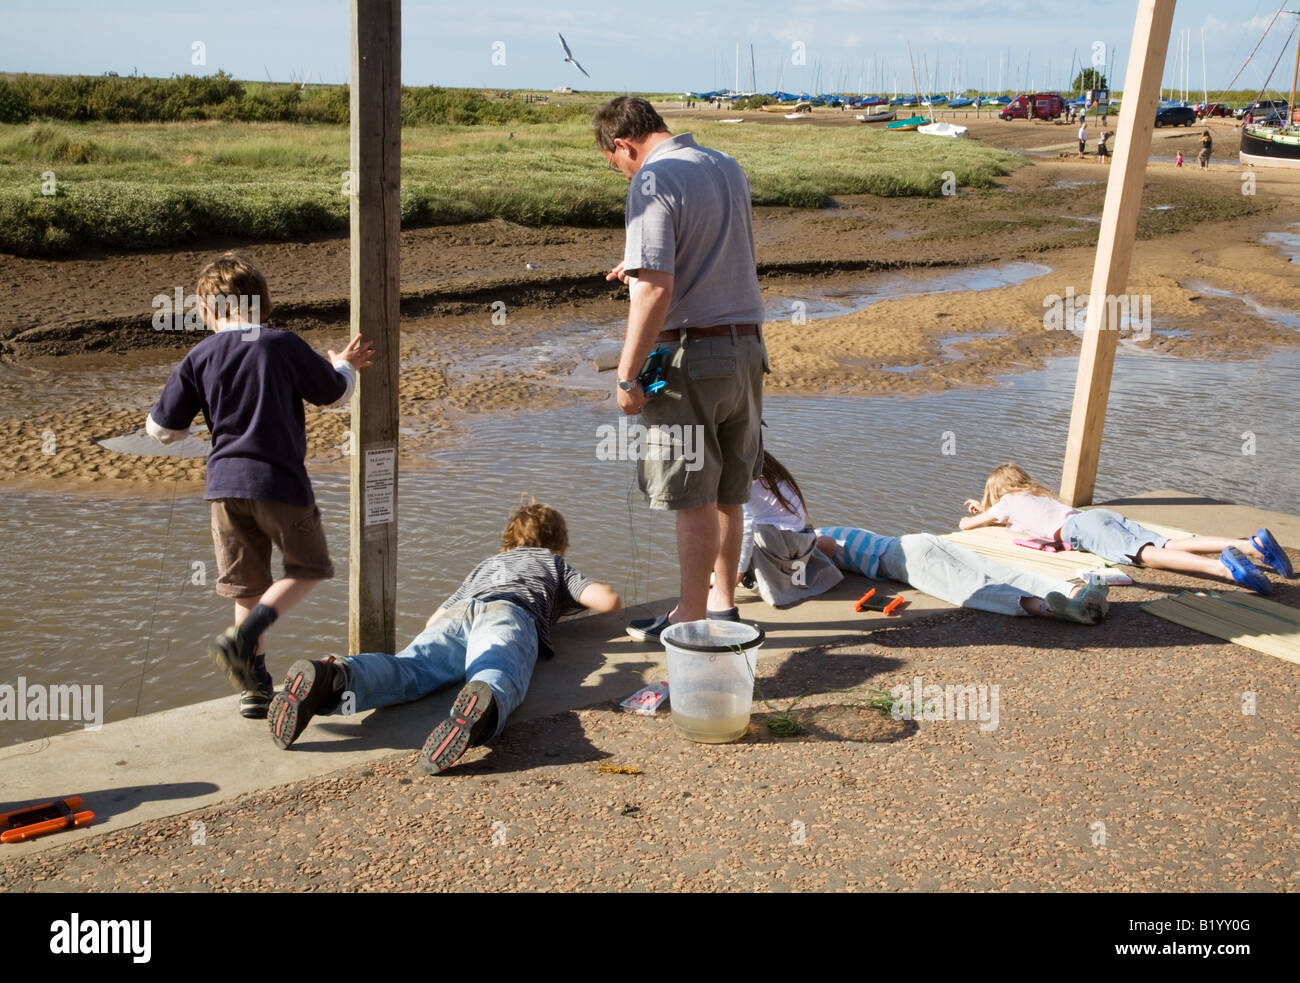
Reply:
x=104, y=591
x=1287, y=242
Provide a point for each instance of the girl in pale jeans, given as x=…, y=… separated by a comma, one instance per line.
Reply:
x=945, y=570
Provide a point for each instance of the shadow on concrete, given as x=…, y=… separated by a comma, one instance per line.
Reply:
x=106, y=803
x=825, y=668
x=837, y=722
x=555, y=740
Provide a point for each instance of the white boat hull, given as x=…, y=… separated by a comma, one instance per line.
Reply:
x=942, y=130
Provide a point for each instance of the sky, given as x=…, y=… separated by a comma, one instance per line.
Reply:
x=668, y=46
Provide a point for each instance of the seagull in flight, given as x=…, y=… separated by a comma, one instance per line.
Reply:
x=568, y=56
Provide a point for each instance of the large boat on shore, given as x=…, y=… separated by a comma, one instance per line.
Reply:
x=1275, y=142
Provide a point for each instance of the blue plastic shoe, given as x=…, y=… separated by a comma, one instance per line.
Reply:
x=1274, y=555
x=1244, y=572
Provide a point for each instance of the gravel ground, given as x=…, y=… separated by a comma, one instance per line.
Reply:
x=1137, y=724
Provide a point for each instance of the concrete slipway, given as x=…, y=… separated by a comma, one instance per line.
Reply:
x=175, y=761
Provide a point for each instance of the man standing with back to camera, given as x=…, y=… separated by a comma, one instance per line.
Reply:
x=689, y=264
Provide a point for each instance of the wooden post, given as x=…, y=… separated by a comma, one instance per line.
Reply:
x=376, y=126
x=1115, y=247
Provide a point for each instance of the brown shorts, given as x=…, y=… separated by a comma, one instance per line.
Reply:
x=705, y=445
x=243, y=530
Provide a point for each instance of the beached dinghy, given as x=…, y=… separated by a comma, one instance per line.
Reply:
x=881, y=117
x=942, y=130
x=911, y=123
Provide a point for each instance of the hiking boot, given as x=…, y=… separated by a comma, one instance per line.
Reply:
x=236, y=656
x=309, y=689
x=253, y=703
x=473, y=719
x=1088, y=607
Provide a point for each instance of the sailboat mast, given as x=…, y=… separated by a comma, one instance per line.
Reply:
x=1295, y=75
x=915, y=84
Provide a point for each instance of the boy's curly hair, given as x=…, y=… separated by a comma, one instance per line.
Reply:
x=538, y=525
x=230, y=277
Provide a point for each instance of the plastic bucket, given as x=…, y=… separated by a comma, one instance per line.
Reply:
x=711, y=666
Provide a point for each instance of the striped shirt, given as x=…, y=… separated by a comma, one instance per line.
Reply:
x=537, y=580
x=859, y=549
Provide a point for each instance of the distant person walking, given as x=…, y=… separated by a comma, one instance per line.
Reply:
x=1207, y=144
x=690, y=266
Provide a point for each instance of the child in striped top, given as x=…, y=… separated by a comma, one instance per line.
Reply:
x=488, y=634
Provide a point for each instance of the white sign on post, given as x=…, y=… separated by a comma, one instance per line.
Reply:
x=380, y=485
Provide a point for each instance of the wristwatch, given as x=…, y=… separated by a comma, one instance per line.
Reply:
x=627, y=385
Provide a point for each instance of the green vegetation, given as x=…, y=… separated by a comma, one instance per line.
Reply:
x=145, y=185
x=184, y=98
x=1087, y=79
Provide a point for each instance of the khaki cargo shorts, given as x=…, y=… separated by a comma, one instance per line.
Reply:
x=703, y=430
x=243, y=531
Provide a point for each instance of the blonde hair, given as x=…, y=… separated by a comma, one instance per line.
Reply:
x=229, y=278
x=536, y=525
x=1007, y=480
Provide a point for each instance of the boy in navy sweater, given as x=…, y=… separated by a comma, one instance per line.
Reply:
x=249, y=382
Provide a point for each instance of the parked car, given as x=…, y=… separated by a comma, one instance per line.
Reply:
x=1045, y=105
x=1214, y=109
x=1262, y=108
x=1176, y=116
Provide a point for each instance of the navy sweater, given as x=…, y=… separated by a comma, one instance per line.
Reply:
x=250, y=386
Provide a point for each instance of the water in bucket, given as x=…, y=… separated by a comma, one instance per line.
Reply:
x=711, y=666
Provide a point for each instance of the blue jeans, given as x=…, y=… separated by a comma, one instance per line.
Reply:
x=493, y=642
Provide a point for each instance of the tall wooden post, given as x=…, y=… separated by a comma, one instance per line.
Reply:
x=376, y=126
x=1115, y=247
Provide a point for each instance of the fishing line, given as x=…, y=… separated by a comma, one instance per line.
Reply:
x=153, y=617
x=637, y=579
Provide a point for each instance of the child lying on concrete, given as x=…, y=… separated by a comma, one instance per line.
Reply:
x=488, y=633
x=1014, y=499
x=932, y=565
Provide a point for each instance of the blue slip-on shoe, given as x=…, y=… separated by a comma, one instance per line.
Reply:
x=1273, y=553
x=1244, y=572
x=731, y=614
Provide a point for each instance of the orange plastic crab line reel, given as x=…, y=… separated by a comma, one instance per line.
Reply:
x=49, y=817
x=894, y=605
x=863, y=600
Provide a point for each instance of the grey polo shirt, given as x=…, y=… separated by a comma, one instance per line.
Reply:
x=689, y=214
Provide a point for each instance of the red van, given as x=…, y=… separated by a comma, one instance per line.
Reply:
x=1045, y=105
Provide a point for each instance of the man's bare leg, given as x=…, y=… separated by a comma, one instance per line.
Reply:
x=731, y=526
x=698, y=539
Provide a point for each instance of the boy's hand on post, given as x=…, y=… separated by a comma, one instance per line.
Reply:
x=359, y=353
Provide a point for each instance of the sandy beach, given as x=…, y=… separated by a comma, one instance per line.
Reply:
x=1201, y=250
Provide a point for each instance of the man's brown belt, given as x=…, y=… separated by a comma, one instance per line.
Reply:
x=717, y=331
